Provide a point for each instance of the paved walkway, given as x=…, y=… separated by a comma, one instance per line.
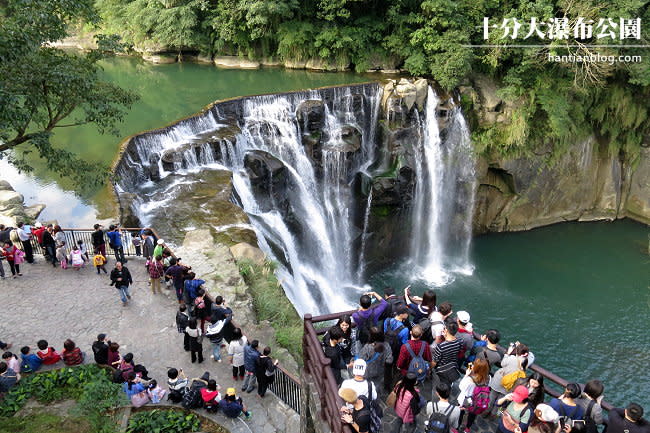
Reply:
x=55, y=304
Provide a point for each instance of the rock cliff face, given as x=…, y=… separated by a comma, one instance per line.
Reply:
x=588, y=182
x=12, y=208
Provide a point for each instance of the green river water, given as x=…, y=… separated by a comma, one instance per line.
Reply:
x=577, y=294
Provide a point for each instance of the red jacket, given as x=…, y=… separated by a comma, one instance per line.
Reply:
x=39, y=234
x=404, y=358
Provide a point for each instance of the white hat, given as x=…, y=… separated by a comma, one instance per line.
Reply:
x=160, y=242
x=359, y=367
x=38, y=225
x=546, y=413
x=463, y=316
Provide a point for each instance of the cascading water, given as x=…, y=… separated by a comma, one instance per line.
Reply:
x=300, y=177
x=444, y=198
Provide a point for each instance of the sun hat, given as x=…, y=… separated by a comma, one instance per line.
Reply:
x=348, y=395
x=359, y=367
x=520, y=394
x=546, y=413
x=160, y=241
x=463, y=316
x=230, y=391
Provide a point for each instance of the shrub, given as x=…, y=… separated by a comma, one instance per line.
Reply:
x=163, y=421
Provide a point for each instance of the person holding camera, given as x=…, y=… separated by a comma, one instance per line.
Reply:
x=566, y=405
x=517, y=413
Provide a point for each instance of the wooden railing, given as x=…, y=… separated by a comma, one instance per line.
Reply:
x=319, y=368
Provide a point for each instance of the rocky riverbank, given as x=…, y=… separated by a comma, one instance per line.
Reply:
x=13, y=209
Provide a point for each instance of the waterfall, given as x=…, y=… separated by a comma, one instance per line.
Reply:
x=362, y=251
x=444, y=198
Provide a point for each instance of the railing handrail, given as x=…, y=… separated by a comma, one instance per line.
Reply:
x=535, y=367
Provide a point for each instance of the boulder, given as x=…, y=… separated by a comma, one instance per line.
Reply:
x=245, y=251
x=160, y=59
x=235, y=62
x=311, y=115
x=637, y=204
x=34, y=211
x=407, y=92
x=421, y=90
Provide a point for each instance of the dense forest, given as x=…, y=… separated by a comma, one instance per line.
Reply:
x=558, y=102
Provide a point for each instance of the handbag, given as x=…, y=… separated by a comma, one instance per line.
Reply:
x=392, y=397
x=140, y=399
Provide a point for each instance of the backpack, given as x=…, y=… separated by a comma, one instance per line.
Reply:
x=439, y=421
x=590, y=425
x=192, y=398
x=175, y=395
x=363, y=334
x=392, y=338
x=480, y=400
x=117, y=376
x=391, y=309
x=376, y=412
x=418, y=365
x=508, y=380
x=425, y=324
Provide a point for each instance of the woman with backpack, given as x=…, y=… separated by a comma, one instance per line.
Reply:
x=566, y=404
x=517, y=413
x=378, y=356
x=513, y=367
x=345, y=325
x=474, y=397
x=407, y=398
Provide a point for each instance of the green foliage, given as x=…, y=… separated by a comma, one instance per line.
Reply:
x=42, y=88
x=163, y=421
x=96, y=399
x=271, y=304
x=44, y=423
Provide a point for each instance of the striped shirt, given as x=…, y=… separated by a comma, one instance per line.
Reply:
x=445, y=355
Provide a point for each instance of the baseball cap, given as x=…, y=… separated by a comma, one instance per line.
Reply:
x=463, y=316
x=359, y=367
x=520, y=394
x=546, y=413
x=230, y=391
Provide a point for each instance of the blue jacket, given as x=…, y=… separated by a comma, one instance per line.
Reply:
x=231, y=409
x=115, y=237
x=191, y=287
x=136, y=388
x=393, y=324
x=250, y=358
x=30, y=363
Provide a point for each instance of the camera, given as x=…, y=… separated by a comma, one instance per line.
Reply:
x=566, y=421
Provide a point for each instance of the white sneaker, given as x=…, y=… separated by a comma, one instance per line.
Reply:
x=211, y=356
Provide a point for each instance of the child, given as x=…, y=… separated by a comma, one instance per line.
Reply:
x=62, y=255
x=211, y=396
x=76, y=258
x=233, y=406
x=137, y=243
x=84, y=250
x=29, y=361
x=99, y=261
x=72, y=355
x=155, y=392
x=12, y=362
x=47, y=354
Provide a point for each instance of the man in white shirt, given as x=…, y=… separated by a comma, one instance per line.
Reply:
x=360, y=385
x=25, y=239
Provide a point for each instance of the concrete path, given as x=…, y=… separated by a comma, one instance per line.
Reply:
x=55, y=304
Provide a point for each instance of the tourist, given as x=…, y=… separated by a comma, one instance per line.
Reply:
x=98, y=240
x=99, y=260
x=566, y=404
x=491, y=352
x=628, y=420
x=476, y=375
x=451, y=412
x=358, y=382
x=177, y=382
x=358, y=416
x=439, y=319
x=513, y=366
x=215, y=335
x=156, y=272
x=182, y=321
x=5, y=346
x=100, y=350
x=236, y=354
x=191, y=288
x=397, y=330
x=114, y=357
x=155, y=392
x=29, y=362
x=135, y=391
x=71, y=354
x=379, y=357
x=50, y=244
x=545, y=419
x=368, y=315
x=47, y=353
x=83, y=249
x=219, y=311
x=416, y=346
x=592, y=395
x=2, y=268
x=516, y=413
x=140, y=370
x=121, y=279
x=158, y=250
x=136, y=240
x=211, y=396
x=407, y=403
x=8, y=378
x=202, y=307
x=333, y=352
x=421, y=308
x=115, y=242
x=147, y=244
x=394, y=302
x=62, y=254
x=25, y=237
x=251, y=355
x=12, y=362
x=59, y=235
x=176, y=272
x=535, y=385
x=14, y=257
x=344, y=323
x=37, y=232
x=233, y=406
x=196, y=337
x=445, y=355
x=466, y=336
x=265, y=371
x=76, y=258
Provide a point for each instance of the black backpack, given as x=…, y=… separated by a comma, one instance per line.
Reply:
x=425, y=324
x=118, y=376
x=376, y=412
x=192, y=398
x=392, y=338
x=393, y=306
x=439, y=421
x=590, y=425
x=176, y=395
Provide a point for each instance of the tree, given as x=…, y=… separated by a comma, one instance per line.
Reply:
x=43, y=88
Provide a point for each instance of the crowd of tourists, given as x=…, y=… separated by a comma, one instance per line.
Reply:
x=200, y=316
x=396, y=347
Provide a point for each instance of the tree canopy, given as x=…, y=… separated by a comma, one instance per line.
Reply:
x=44, y=88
